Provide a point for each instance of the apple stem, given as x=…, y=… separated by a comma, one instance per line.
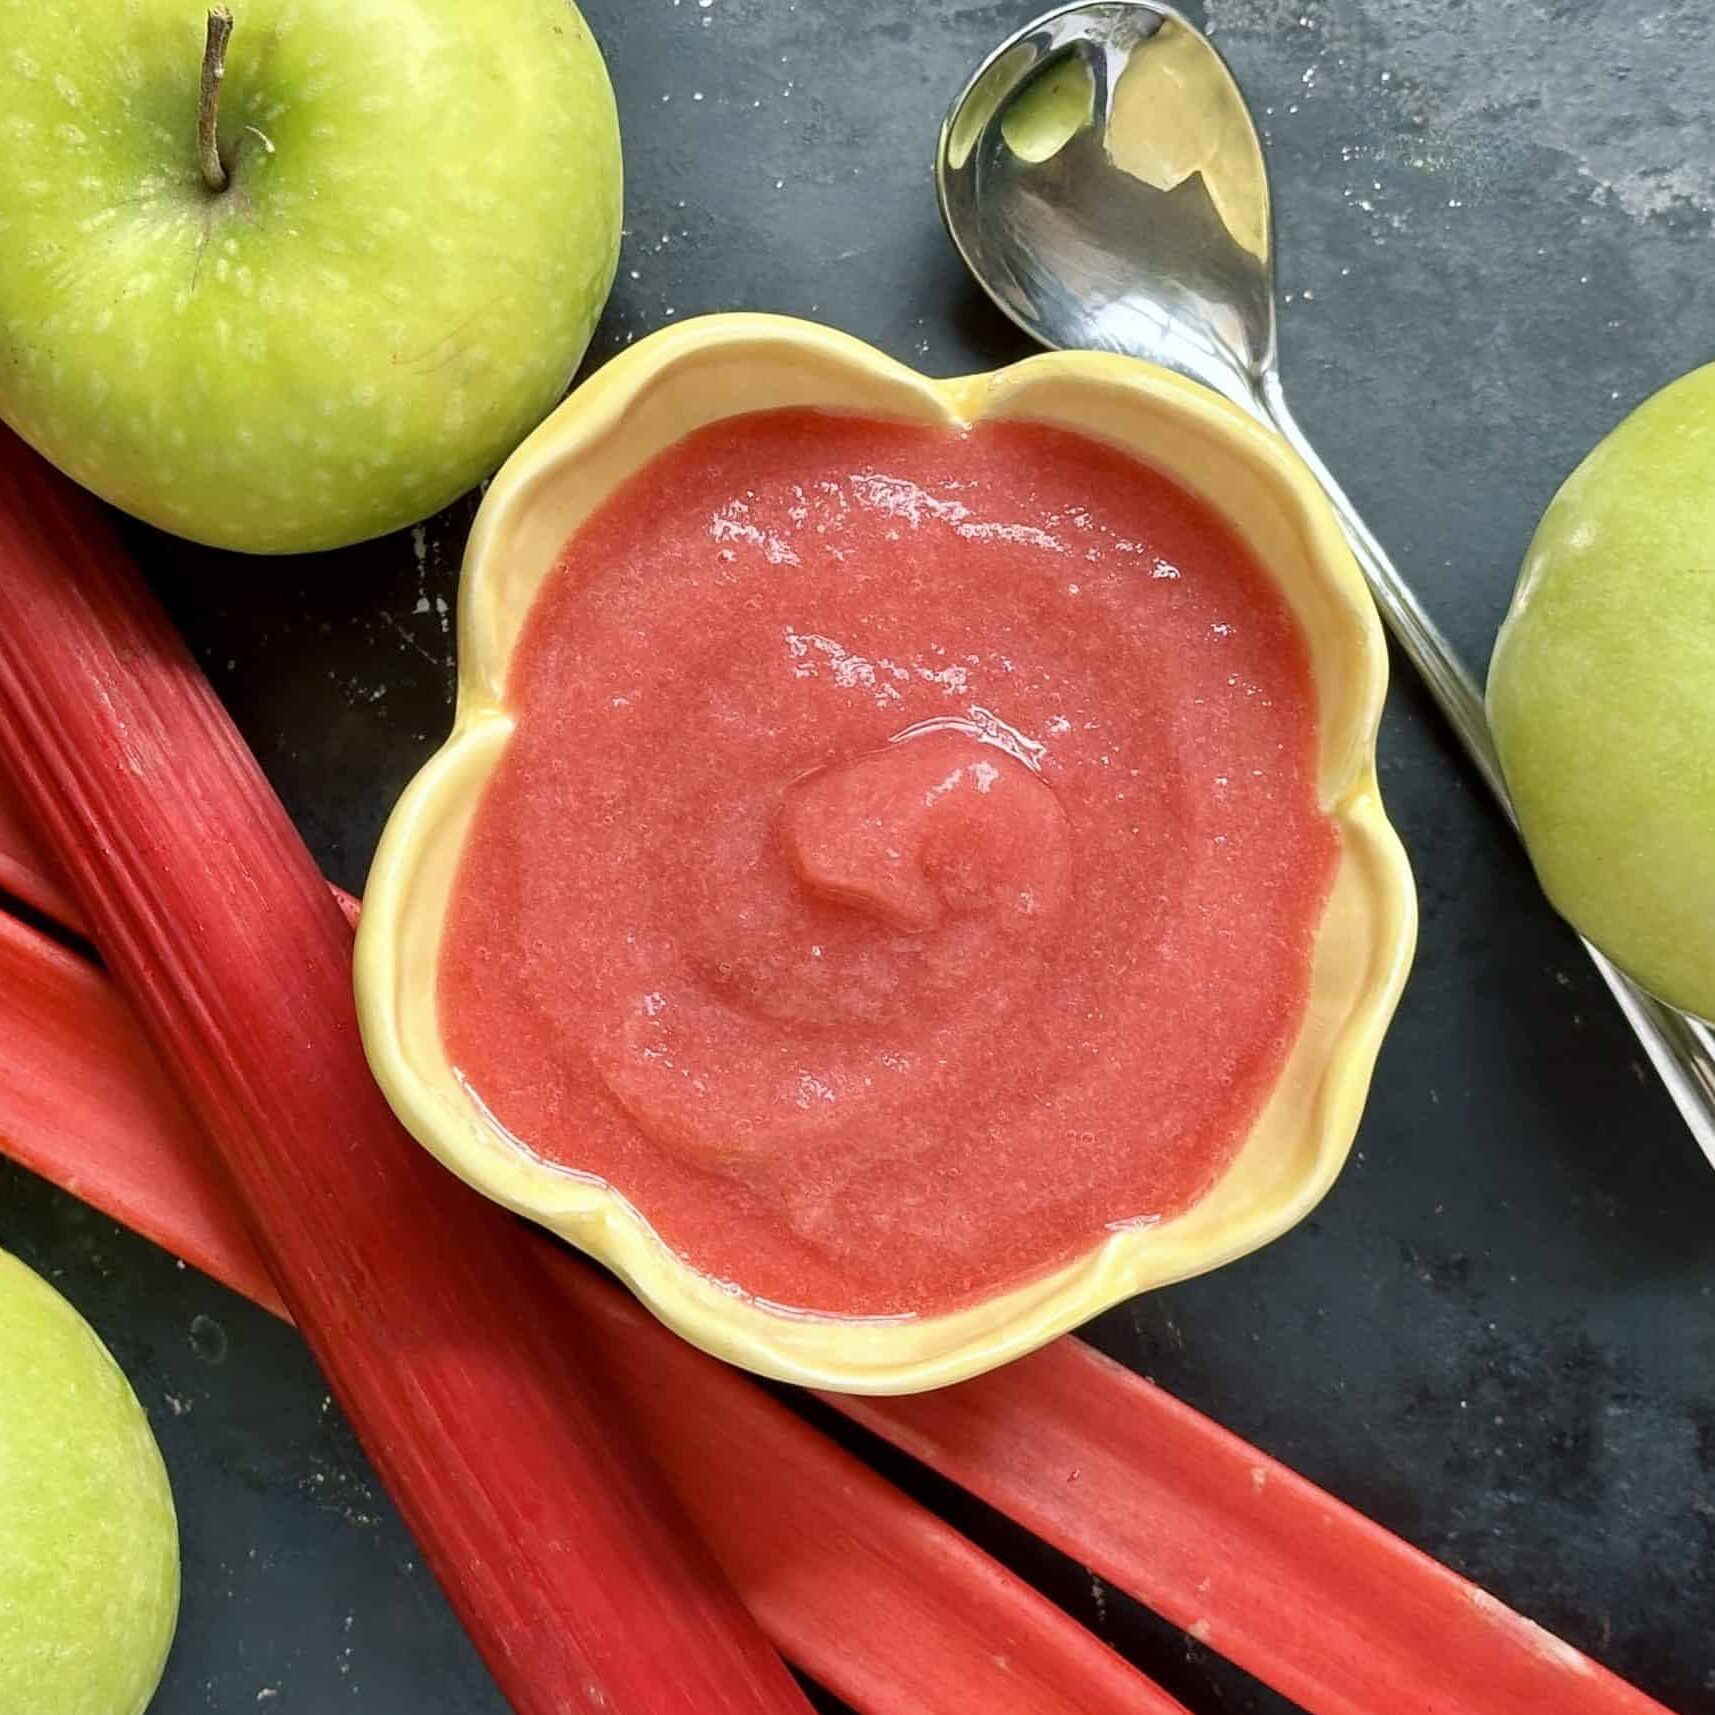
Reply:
x=208, y=98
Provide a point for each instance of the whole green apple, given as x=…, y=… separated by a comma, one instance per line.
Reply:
x=375, y=281
x=1602, y=695
x=89, y=1547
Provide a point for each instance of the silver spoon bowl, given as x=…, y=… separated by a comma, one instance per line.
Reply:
x=1104, y=182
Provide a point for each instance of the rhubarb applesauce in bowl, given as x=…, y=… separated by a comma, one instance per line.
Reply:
x=907, y=872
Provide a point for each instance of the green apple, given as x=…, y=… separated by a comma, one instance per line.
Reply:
x=1602, y=695
x=89, y=1547
x=381, y=282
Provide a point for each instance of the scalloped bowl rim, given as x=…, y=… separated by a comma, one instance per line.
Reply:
x=766, y=360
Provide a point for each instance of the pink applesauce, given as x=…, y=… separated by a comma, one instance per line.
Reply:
x=906, y=863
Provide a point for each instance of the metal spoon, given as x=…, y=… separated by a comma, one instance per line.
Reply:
x=1101, y=176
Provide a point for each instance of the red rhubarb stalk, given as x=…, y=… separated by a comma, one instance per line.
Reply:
x=562, y=1551
x=1334, y=1612
x=867, y=1592
x=25, y=872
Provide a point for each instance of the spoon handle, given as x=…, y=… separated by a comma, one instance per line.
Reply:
x=1681, y=1049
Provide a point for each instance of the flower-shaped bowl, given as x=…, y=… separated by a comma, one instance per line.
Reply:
x=639, y=404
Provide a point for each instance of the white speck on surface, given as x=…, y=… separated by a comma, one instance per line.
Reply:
x=1651, y=190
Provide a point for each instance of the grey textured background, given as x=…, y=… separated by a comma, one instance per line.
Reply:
x=1498, y=1334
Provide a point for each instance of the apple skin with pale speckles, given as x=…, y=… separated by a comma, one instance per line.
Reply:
x=1602, y=695
x=419, y=230
x=89, y=1544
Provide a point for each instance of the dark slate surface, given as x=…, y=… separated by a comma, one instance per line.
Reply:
x=1498, y=1334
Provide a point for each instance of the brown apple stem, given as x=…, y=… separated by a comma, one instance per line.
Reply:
x=208, y=98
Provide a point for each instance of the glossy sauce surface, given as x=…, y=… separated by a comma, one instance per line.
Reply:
x=906, y=862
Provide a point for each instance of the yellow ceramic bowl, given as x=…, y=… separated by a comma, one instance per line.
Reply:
x=640, y=403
